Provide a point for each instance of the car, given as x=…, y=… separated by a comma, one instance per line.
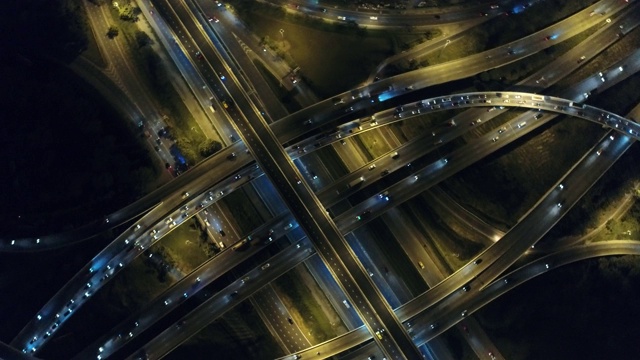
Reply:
x=308, y=122
x=611, y=137
x=608, y=20
x=466, y=288
x=342, y=18
x=395, y=155
x=222, y=233
x=561, y=186
x=290, y=320
x=372, y=166
x=538, y=116
x=501, y=130
x=477, y=261
x=433, y=326
x=522, y=124
x=384, y=172
x=546, y=266
x=421, y=264
x=493, y=357
x=346, y=304
x=265, y=266
x=199, y=55
x=559, y=205
x=582, y=58
x=379, y=333
x=495, y=139
x=475, y=122
x=237, y=177
x=465, y=313
x=364, y=213
x=185, y=195
x=599, y=152
x=313, y=175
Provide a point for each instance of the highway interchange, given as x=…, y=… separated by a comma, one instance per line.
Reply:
x=308, y=210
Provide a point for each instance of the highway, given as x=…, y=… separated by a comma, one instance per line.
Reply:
x=455, y=162
x=318, y=112
x=623, y=126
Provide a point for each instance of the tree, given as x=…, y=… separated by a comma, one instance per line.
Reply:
x=113, y=32
x=209, y=147
x=143, y=39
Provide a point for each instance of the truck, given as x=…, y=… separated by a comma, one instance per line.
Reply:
x=240, y=245
x=356, y=182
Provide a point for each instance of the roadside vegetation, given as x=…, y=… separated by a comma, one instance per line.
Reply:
x=239, y=334
x=182, y=127
x=304, y=307
x=186, y=247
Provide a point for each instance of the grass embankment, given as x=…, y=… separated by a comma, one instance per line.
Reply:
x=239, y=334
x=185, y=245
x=504, y=29
x=452, y=250
x=303, y=306
x=184, y=128
x=397, y=258
x=243, y=211
x=333, y=57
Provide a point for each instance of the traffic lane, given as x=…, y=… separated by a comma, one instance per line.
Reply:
x=334, y=293
x=224, y=29
x=371, y=265
x=451, y=70
x=575, y=185
x=266, y=147
x=306, y=219
x=224, y=300
x=269, y=195
x=166, y=302
x=412, y=246
x=278, y=316
x=529, y=230
x=451, y=316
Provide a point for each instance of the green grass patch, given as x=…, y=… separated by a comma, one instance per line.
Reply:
x=183, y=245
x=374, y=143
x=333, y=57
x=292, y=288
x=133, y=288
x=243, y=211
x=332, y=161
x=239, y=334
x=453, y=249
x=398, y=259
